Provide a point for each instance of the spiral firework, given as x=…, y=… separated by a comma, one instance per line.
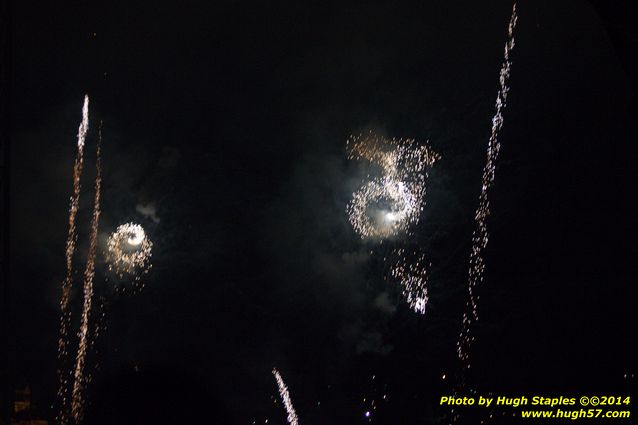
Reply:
x=389, y=204
x=129, y=250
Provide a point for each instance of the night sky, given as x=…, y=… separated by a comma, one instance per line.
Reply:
x=224, y=135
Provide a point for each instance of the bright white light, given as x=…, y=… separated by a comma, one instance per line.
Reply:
x=137, y=237
x=84, y=126
x=390, y=217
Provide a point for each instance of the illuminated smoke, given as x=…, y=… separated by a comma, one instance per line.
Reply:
x=480, y=236
x=67, y=283
x=77, y=399
x=285, y=397
x=148, y=211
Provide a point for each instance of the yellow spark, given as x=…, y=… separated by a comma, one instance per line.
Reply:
x=67, y=283
x=77, y=400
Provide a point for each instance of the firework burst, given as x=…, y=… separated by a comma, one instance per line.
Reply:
x=129, y=251
x=389, y=204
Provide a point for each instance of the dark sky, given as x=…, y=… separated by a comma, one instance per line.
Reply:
x=231, y=119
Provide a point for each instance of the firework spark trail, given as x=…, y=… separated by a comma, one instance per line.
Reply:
x=67, y=283
x=285, y=397
x=77, y=401
x=480, y=236
x=413, y=279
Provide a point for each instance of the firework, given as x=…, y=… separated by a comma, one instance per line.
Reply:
x=285, y=397
x=77, y=400
x=480, y=236
x=413, y=278
x=389, y=204
x=67, y=283
x=129, y=250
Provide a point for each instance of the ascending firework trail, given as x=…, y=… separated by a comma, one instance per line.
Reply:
x=67, y=283
x=77, y=396
x=481, y=235
x=129, y=252
x=285, y=397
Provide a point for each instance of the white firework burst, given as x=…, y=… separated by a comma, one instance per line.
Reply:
x=388, y=205
x=129, y=250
